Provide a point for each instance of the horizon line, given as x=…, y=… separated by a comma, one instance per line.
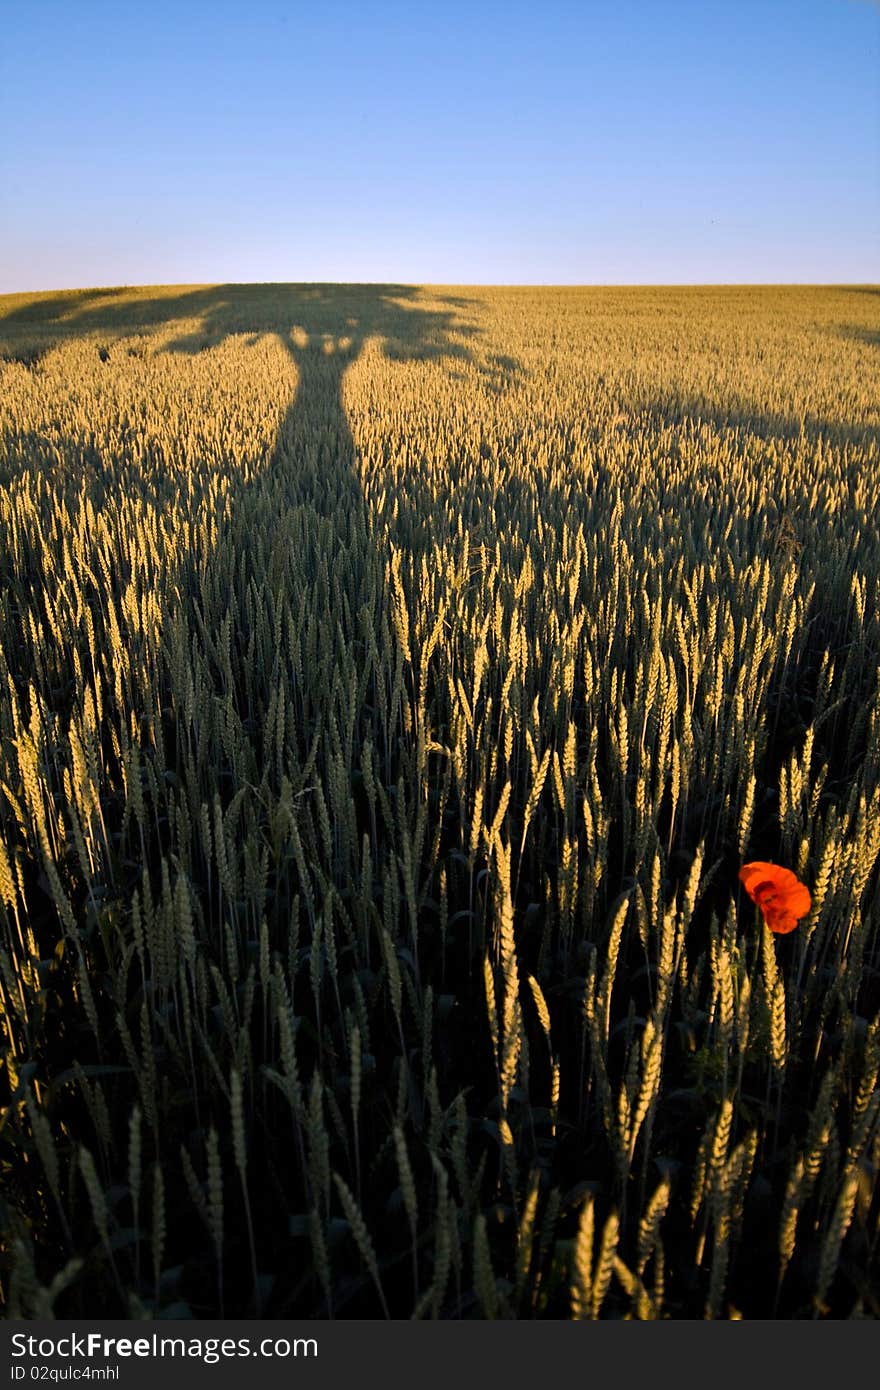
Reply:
x=463, y=284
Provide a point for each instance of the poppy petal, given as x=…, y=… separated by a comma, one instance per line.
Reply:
x=778, y=892
x=799, y=901
x=752, y=875
x=782, y=923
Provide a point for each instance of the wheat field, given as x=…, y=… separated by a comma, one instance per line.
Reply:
x=393, y=682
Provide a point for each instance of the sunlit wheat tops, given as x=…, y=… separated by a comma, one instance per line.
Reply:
x=425, y=717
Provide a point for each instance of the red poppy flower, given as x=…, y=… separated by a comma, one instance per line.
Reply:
x=779, y=893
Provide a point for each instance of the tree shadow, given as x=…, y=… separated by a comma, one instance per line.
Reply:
x=688, y=412
x=287, y=525
x=280, y=531
x=859, y=333
x=304, y=496
x=323, y=330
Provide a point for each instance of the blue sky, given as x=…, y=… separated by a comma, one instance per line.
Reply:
x=605, y=141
